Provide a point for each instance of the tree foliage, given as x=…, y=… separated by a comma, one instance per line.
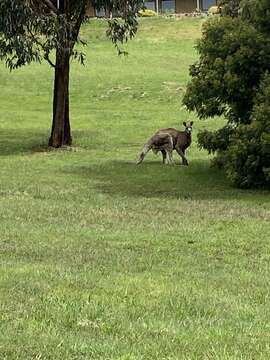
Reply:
x=31, y=29
x=230, y=7
x=231, y=79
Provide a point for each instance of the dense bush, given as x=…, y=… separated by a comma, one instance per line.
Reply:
x=247, y=159
x=231, y=78
x=215, y=141
x=229, y=7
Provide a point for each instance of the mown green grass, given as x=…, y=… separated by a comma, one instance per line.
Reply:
x=102, y=259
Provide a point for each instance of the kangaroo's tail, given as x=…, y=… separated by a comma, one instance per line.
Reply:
x=146, y=148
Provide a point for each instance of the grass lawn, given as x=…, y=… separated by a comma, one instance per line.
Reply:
x=102, y=259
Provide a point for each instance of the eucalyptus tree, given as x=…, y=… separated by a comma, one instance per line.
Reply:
x=36, y=30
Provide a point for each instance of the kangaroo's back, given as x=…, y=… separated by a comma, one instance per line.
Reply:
x=171, y=131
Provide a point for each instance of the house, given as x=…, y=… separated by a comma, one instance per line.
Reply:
x=167, y=6
x=179, y=6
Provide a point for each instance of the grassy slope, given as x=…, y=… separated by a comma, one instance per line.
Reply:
x=101, y=259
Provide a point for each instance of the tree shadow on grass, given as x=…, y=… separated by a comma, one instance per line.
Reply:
x=25, y=141
x=21, y=141
x=152, y=179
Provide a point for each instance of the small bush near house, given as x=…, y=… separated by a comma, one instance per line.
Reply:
x=214, y=10
x=147, y=13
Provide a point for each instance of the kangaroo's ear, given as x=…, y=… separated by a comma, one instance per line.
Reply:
x=184, y=123
x=191, y=123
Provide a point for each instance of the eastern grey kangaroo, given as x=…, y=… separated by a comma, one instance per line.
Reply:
x=167, y=140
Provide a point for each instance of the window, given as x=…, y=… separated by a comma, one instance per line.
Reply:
x=206, y=4
x=168, y=6
x=150, y=5
x=100, y=12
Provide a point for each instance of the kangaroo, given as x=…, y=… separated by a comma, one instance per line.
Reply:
x=181, y=141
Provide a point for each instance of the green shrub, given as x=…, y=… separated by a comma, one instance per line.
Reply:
x=233, y=56
x=215, y=141
x=147, y=13
x=232, y=79
x=247, y=159
x=244, y=151
x=229, y=7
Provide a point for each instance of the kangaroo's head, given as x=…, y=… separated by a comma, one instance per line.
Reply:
x=188, y=127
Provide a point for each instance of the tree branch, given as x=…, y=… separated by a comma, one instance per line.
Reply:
x=79, y=20
x=46, y=57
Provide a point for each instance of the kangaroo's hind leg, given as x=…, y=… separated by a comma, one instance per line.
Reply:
x=169, y=156
x=169, y=150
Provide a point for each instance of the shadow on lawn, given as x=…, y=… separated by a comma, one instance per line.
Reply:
x=21, y=141
x=152, y=179
x=25, y=141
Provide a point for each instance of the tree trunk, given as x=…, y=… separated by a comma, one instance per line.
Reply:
x=61, y=133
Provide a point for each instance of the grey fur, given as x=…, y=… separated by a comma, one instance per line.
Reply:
x=167, y=140
x=159, y=142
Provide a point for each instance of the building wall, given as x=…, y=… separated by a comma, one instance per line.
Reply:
x=206, y=4
x=90, y=11
x=181, y=6
x=185, y=6
x=177, y=6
